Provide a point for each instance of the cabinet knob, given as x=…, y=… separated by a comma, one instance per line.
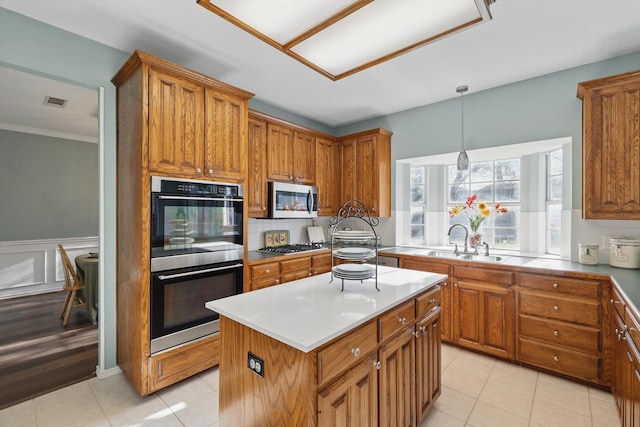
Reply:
x=210, y=171
x=402, y=320
x=198, y=170
x=556, y=333
x=455, y=285
x=556, y=358
x=267, y=271
x=611, y=300
x=555, y=285
x=264, y=208
x=432, y=301
x=356, y=351
x=277, y=281
x=377, y=364
x=416, y=334
x=556, y=308
x=424, y=330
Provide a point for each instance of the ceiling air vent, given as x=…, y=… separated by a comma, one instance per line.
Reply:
x=55, y=102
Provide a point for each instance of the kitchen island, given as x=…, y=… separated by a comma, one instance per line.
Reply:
x=305, y=353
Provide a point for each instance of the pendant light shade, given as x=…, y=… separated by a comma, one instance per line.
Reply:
x=463, y=159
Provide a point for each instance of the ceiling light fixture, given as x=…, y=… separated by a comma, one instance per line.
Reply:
x=339, y=38
x=463, y=159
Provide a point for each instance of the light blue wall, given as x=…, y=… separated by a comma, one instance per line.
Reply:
x=541, y=108
x=36, y=47
x=49, y=187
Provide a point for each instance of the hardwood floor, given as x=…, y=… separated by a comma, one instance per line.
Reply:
x=37, y=353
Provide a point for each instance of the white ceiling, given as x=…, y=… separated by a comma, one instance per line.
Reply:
x=525, y=39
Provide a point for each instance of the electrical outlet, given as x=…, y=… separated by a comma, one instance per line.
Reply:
x=255, y=364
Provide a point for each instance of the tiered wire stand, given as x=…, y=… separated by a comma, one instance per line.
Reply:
x=344, y=243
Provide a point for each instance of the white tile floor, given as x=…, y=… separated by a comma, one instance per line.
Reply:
x=477, y=391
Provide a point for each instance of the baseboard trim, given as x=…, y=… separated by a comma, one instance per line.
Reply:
x=106, y=373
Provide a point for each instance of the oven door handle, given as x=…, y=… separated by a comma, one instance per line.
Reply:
x=218, y=199
x=191, y=273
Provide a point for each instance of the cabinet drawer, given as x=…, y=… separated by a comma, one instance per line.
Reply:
x=289, y=277
x=265, y=270
x=428, y=301
x=321, y=264
x=563, y=308
x=573, y=363
x=295, y=265
x=346, y=351
x=396, y=319
x=560, y=333
x=554, y=284
x=433, y=267
x=265, y=282
x=483, y=275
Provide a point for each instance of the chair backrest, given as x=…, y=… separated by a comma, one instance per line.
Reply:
x=71, y=280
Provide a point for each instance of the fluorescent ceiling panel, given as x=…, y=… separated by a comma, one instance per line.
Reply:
x=338, y=38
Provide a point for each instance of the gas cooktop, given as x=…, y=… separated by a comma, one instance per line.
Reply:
x=292, y=249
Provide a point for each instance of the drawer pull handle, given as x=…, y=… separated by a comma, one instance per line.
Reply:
x=432, y=301
x=277, y=281
x=637, y=374
x=416, y=334
x=267, y=271
x=356, y=351
x=556, y=333
x=555, y=285
x=556, y=358
x=629, y=357
x=424, y=330
x=377, y=364
x=556, y=308
x=402, y=320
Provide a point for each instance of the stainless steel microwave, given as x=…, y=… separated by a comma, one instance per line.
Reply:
x=292, y=200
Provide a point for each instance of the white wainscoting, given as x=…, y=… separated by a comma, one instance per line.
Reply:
x=34, y=266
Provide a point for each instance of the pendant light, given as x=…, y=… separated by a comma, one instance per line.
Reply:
x=463, y=159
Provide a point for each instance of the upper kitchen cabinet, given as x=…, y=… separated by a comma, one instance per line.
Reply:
x=611, y=147
x=225, y=148
x=366, y=170
x=256, y=195
x=290, y=154
x=196, y=125
x=328, y=175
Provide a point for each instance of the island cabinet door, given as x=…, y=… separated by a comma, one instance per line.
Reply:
x=397, y=380
x=428, y=363
x=353, y=399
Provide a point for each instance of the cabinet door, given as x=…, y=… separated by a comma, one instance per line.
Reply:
x=304, y=160
x=176, y=127
x=349, y=170
x=279, y=153
x=367, y=173
x=611, y=149
x=225, y=129
x=397, y=381
x=328, y=158
x=353, y=399
x=428, y=363
x=256, y=189
x=483, y=317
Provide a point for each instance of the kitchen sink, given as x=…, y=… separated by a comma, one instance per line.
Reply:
x=485, y=258
x=469, y=257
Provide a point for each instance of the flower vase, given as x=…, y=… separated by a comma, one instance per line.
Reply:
x=475, y=239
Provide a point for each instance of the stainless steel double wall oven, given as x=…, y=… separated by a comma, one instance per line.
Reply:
x=196, y=256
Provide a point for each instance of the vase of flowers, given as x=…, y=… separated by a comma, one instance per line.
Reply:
x=477, y=213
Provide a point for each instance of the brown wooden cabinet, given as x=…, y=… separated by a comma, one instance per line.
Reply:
x=559, y=325
x=328, y=176
x=625, y=382
x=428, y=362
x=276, y=270
x=256, y=195
x=422, y=264
x=162, y=130
x=366, y=170
x=279, y=152
x=611, y=147
x=304, y=158
x=176, y=124
x=483, y=307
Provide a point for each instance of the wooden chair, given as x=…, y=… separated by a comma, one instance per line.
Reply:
x=72, y=284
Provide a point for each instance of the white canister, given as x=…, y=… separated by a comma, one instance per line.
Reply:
x=588, y=253
x=624, y=253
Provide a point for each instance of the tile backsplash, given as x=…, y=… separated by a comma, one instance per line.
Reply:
x=599, y=231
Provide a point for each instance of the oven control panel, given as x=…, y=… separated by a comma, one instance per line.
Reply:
x=195, y=188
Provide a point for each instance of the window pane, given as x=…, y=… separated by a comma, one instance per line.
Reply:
x=417, y=232
x=458, y=193
x=555, y=187
x=417, y=215
x=417, y=194
x=483, y=190
x=417, y=175
x=554, y=218
x=456, y=176
x=508, y=191
x=555, y=162
x=507, y=169
x=508, y=219
x=481, y=172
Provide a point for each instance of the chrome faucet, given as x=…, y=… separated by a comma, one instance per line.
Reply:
x=486, y=248
x=466, y=237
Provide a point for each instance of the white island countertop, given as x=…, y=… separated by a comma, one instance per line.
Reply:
x=309, y=312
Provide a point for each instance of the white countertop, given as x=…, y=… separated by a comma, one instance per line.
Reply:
x=310, y=312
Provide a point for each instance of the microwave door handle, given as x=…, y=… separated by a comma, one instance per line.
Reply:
x=309, y=201
x=191, y=273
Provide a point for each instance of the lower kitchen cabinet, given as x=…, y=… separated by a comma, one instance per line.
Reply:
x=428, y=362
x=277, y=270
x=483, y=307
